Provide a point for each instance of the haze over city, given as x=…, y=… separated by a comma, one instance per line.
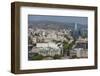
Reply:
x=57, y=37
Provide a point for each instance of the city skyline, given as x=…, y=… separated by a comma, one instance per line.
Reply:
x=57, y=37
x=65, y=19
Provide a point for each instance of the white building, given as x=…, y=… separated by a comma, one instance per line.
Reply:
x=47, y=49
x=79, y=52
x=49, y=44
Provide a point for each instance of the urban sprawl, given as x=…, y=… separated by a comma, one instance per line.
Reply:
x=50, y=44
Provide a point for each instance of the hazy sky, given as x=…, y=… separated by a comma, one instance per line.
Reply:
x=65, y=19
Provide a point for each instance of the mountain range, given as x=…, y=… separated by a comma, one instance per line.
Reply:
x=55, y=25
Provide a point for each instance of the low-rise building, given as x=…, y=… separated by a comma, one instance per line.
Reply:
x=79, y=53
x=81, y=49
x=47, y=49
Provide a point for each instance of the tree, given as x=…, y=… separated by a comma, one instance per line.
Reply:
x=37, y=57
x=56, y=57
x=67, y=47
x=74, y=56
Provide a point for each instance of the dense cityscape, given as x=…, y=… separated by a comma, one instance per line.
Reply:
x=49, y=41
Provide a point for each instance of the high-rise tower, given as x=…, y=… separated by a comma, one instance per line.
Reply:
x=75, y=26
